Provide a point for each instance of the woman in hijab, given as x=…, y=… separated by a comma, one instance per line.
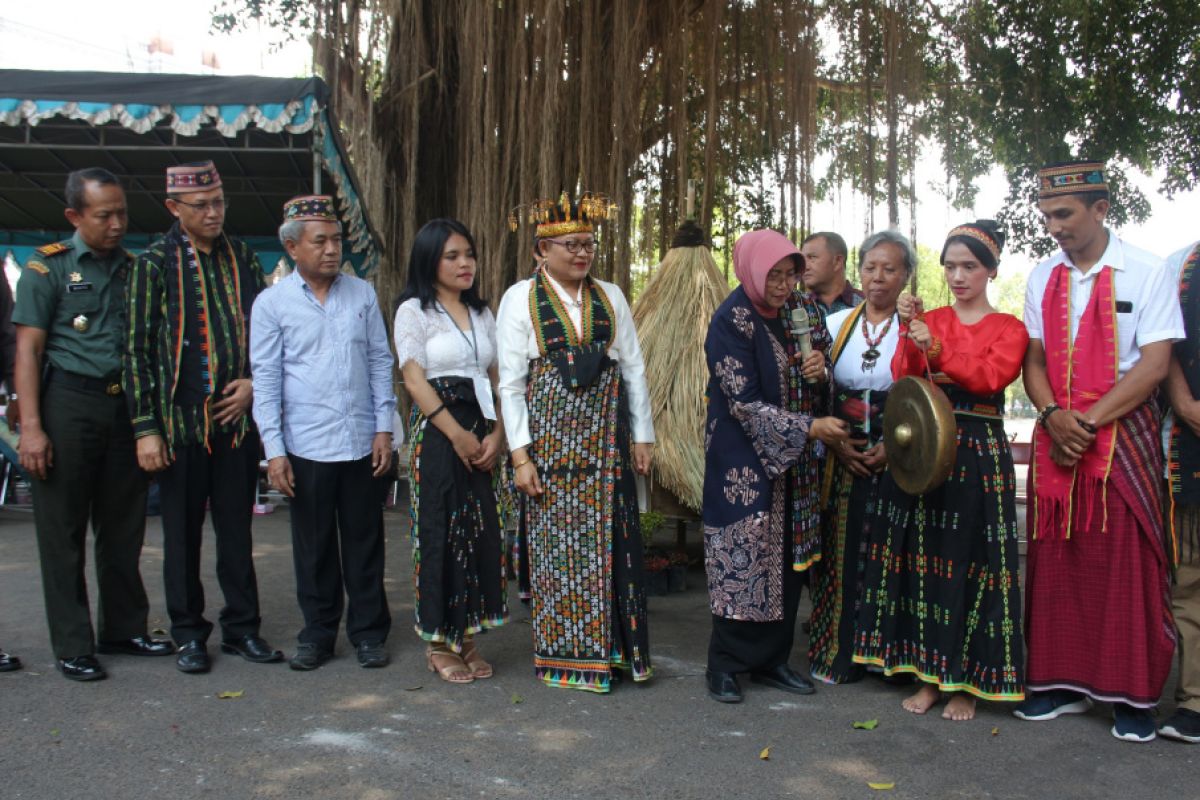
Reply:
x=761, y=515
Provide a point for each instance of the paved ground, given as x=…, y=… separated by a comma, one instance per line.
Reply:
x=345, y=732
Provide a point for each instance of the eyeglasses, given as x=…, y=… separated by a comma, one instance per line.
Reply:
x=572, y=246
x=217, y=205
x=786, y=279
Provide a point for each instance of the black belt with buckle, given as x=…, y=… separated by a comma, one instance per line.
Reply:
x=108, y=386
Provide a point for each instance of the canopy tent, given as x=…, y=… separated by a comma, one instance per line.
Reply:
x=271, y=139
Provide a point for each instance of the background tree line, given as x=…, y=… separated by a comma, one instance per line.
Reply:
x=468, y=108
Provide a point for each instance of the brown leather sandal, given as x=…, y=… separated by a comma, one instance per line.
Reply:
x=453, y=669
x=480, y=669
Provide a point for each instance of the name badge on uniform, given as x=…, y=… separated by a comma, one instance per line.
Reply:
x=72, y=288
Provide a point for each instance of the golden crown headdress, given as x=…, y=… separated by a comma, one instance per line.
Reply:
x=561, y=217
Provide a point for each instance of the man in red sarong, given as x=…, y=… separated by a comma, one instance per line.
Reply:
x=1102, y=316
x=1183, y=472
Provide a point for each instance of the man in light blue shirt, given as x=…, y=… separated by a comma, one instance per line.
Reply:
x=323, y=403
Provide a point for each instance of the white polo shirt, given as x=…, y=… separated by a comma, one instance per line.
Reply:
x=1147, y=299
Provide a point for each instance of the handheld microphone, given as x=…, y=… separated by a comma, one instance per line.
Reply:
x=798, y=320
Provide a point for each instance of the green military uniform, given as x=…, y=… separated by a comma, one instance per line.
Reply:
x=78, y=298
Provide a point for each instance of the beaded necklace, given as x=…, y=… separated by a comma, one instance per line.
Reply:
x=871, y=355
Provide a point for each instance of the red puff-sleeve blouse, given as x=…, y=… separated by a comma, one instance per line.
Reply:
x=982, y=358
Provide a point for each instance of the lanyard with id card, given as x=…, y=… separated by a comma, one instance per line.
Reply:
x=483, y=387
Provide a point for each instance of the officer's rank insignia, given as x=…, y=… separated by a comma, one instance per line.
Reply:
x=38, y=267
x=76, y=277
x=54, y=248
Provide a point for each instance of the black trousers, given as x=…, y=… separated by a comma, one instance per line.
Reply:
x=95, y=478
x=337, y=547
x=741, y=646
x=225, y=481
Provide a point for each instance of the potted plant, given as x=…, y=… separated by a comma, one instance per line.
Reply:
x=656, y=562
x=658, y=581
x=677, y=571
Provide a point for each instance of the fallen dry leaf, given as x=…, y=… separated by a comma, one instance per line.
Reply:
x=995, y=731
x=517, y=699
x=765, y=755
x=881, y=787
x=230, y=695
x=868, y=725
x=413, y=688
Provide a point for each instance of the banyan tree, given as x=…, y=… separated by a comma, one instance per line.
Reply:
x=469, y=108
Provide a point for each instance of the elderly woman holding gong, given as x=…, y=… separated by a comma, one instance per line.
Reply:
x=865, y=344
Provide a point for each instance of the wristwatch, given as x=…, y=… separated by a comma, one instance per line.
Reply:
x=1045, y=413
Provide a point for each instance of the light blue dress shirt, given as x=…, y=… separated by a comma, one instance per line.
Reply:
x=322, y=373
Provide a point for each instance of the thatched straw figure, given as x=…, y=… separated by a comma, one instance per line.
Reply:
x=672, y=317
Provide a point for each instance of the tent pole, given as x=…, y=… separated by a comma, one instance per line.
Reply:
x=316, y=153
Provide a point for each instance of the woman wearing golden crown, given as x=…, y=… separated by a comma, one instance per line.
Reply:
x=577, y=413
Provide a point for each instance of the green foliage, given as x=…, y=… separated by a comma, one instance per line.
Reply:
x=652, y=522
x=1006, y=82
x=1116, y=80
x=292, y=18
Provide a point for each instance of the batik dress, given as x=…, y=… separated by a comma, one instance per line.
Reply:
x=459, y=571
x=862, y=376
x=761, y=514
x=574, y=395
x=942, y=595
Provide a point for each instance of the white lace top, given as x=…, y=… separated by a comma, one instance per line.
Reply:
x=431, y=339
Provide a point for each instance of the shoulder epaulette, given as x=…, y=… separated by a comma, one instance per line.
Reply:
x=38, y=267
x=54, y=248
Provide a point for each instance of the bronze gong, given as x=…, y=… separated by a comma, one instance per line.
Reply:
x=920, y=435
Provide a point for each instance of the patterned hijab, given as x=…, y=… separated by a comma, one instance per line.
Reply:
x=754, y=254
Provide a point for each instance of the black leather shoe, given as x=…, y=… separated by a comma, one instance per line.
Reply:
x=193, y=658
x=782, y=677
x=252, y=648
x=309, y=656
x=81, y=668
x=8, y=663
x=723, y=687
x=137, y=646
x=372, y=655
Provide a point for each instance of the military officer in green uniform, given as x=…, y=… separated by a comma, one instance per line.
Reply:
x=76, y=438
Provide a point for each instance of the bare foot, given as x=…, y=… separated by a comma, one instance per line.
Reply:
x=960, y=708
x=925, y=698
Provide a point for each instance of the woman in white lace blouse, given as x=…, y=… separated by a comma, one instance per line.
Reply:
x=446, y=346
